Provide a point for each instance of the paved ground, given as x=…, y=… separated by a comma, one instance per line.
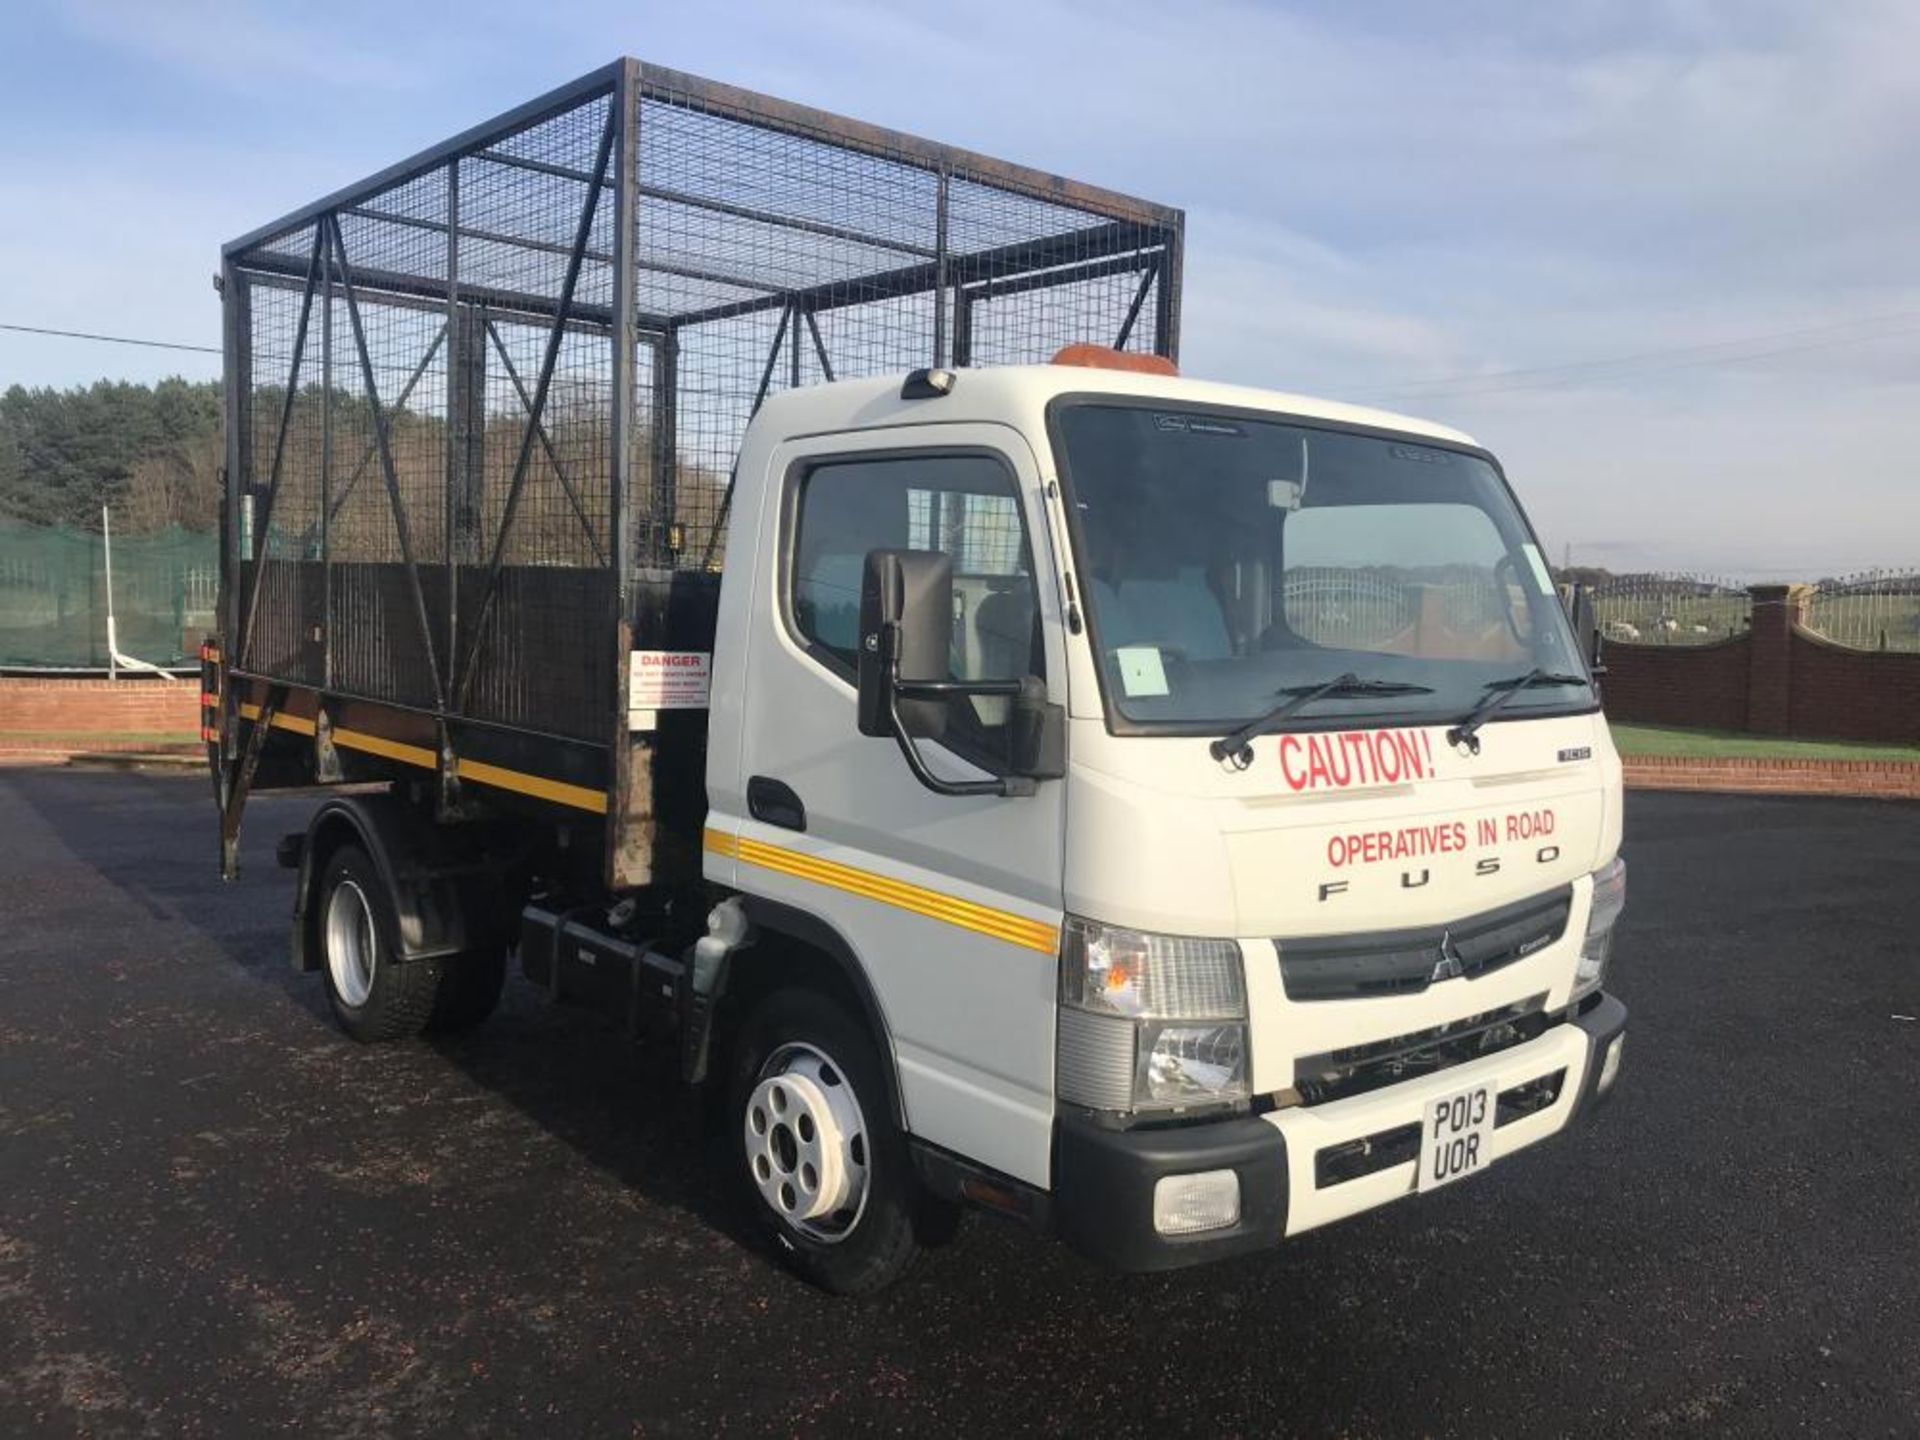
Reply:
x=219, y=1217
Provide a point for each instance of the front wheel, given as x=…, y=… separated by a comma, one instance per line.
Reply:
x=826, y=1167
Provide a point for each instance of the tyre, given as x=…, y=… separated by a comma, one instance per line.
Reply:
x=373, y=997
x=469, y=990
x=826, y=1168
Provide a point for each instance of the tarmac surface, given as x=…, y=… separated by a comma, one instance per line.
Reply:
x=220, y=1217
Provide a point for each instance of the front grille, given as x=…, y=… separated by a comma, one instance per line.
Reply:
x=1405, y=962
x=1356, y=1069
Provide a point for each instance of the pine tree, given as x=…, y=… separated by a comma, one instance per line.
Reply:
x=65, y=453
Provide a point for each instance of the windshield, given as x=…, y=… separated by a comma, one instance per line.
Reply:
x=1225, y=561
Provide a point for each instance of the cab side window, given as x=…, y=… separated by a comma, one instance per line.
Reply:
x=964, y=505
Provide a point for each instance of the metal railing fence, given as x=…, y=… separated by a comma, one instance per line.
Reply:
x=1671, y=609
x=1874, y=610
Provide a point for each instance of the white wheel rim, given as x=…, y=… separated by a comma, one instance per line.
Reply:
x=807, y=1145
x=352, y=950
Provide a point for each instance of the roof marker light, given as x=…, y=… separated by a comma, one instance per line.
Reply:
x=927, y=384
x=1105, y=357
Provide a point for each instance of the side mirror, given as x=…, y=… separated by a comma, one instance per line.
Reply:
x=1586, y=625
x=906, y=636
x=905, y=673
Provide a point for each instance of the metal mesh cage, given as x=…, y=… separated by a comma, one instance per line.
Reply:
x=476, y=396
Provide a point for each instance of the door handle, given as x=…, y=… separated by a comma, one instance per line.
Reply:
x=774, y=802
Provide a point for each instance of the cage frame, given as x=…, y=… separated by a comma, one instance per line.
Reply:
x=1132, y=235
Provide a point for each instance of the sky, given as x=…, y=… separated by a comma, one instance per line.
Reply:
x=1661, y=256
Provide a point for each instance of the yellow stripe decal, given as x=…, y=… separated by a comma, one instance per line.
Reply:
x=950, y=909
x=391, y=749
x=298, y=724
x=558, y=791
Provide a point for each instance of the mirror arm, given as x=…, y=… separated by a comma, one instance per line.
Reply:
x=1006, y=785
x=897, y=689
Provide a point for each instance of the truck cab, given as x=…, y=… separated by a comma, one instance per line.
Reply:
x=1203, y=783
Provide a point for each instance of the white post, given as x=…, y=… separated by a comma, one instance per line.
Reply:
x=116, y=662
x=113, y=641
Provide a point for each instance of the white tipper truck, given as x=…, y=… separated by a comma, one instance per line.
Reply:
x=1172, y=814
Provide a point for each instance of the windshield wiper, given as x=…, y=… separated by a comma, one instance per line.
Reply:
x=1236, y=745
x=1499, y=692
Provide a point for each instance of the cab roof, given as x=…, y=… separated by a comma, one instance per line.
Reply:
x=1019, y=394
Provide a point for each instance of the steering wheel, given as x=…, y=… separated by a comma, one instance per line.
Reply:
x=1505, y=572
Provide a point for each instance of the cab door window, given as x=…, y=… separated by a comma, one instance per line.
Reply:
x=964, y=505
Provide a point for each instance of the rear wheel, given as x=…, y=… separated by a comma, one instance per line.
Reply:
x=469, y=989
x=824, y=1163
x=373, y=997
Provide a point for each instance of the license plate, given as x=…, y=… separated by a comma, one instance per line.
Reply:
x=1456, y=1138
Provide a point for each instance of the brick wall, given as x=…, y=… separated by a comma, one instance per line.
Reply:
x=1694, y=687
x=153, y=706
x=1876, y=779
x=1847, y=694
x=1778, y=679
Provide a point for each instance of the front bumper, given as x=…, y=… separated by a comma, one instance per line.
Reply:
x=1304, y=1167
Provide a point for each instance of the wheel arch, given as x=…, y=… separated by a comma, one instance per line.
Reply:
x=442, y=904
x=788, y=946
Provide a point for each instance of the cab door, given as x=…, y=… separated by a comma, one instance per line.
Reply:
x=951, y=905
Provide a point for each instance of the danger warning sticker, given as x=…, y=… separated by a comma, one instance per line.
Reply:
x=668, y=680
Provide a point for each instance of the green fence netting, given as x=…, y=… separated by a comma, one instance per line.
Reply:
x=53, y=596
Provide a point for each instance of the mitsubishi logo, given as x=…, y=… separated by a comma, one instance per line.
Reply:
x=1450, y=966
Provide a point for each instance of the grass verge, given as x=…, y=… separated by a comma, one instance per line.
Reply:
x=1713, y=744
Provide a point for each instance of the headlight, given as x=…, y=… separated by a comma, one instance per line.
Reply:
x=1150, y=1021
x=1192, y=1064
x=1609, y=899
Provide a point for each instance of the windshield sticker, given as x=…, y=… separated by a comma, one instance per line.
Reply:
x=1421, y=456
x=1141, y=671
x=1354, y=758
x=1538, y=564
